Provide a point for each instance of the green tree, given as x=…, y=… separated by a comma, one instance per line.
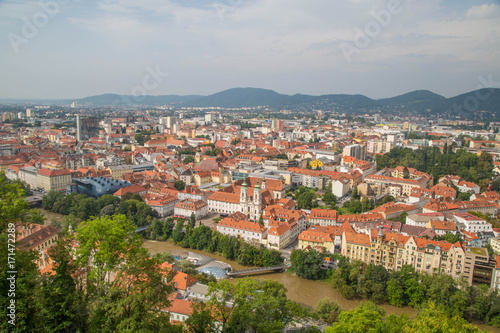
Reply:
x=463, y=196
x=259, y=306
x=107, y=210
x=14, y=210
x=354, y=194
x=327, y=310
x=192, y=220
x=433, y=319
x=402, y=217
x=406, y=173
x=62, y=304
x=179, y=185
x=131, y=196
x=131, y=301
x=307, y=200
x=178, y=234
x=201, y=319
x=13, y=207
x=188, y=159
x=367, y=317
x=187, y=267
x=307, y=263
x=140, y=138
x=366, y=205
x=27, y=314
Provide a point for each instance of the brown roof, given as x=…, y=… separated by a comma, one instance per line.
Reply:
x=54, y=173
x=39, y=235
x=191, y=204
x=241, y=225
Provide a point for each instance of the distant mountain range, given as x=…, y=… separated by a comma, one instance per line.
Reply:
x=483, y=103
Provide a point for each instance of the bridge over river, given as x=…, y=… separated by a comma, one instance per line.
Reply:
x=257, y=270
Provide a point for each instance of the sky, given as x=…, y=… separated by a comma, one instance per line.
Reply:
x=379, y=48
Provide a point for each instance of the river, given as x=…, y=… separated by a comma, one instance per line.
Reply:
x=300, y=290
x=51, y=216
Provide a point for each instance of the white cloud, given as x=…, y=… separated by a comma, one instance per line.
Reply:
x=486, y=11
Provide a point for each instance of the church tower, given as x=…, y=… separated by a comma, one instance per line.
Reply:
x=263, y=183
x=198, y=156
x=257, y=201
x=244, y=198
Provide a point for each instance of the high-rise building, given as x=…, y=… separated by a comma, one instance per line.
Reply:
x=209, y=119
x=86, y=127
x=170, y=121
x=280, y=126
x=357, y=151
x=277, y=125
x=78, y=128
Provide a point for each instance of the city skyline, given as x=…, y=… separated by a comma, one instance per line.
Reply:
x=378, y=48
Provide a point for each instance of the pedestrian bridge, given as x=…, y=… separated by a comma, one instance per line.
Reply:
x=257, y=270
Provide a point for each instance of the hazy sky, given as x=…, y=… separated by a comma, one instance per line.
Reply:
x=377, y=48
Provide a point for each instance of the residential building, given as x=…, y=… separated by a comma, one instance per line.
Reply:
x=187, y=207
x=117, y=171
x=340, y=187
x=322, y=217
x=472, y=223
x=163, y=205
x=358, y=151
x=53, y=179
x=29, y=176
x=478, y=267
x=243, y=229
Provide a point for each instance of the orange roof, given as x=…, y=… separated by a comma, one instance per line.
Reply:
x=443, y=225
x=182, y=280
x=361, y=239
x=326, y=214
x=229, y=222
x=226, y=197
x=133, y=189
x=54, y=173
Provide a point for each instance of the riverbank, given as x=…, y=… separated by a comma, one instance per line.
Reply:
x=300, y=290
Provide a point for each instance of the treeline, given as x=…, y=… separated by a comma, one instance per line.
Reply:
x=206, y=239
x=407, y=287
x=368, y=317
x=469, y=166
x=82, y=207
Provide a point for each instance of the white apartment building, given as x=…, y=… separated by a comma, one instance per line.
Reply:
x=189, y=206
x=29, y=176
x=246, y=230
x=472, y=223
x=340, y=187
x=379, y=147
x=164, y=206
